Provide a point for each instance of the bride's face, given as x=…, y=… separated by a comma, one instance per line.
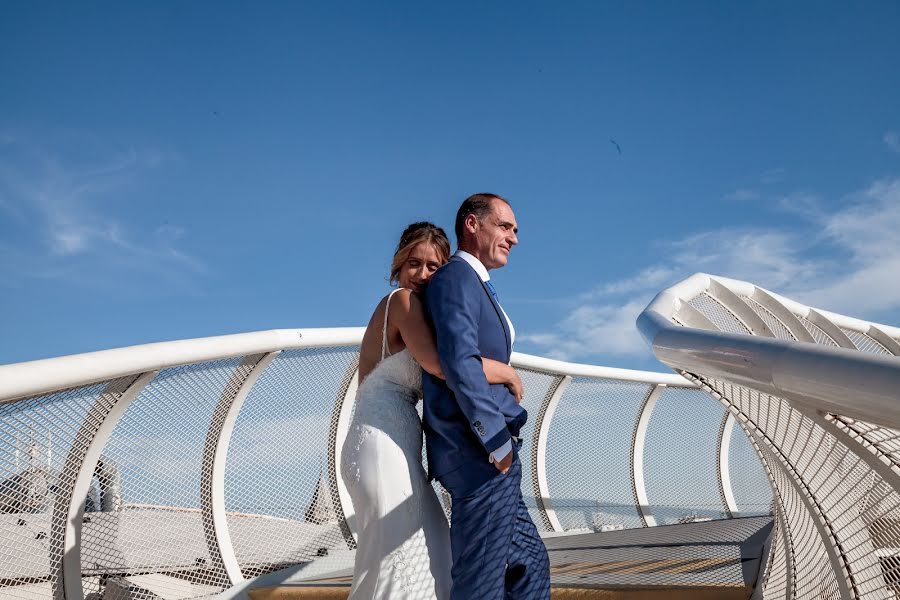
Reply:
x=420, y=265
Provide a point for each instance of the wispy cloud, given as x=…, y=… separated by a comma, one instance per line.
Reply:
x=742, y=195
x=58, y=217
x=892, y=139
x=845, y=260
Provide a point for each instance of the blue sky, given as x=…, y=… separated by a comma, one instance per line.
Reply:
x=174, y=170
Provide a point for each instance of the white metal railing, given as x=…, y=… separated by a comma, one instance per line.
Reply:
x=216, y=460
x=817, y=394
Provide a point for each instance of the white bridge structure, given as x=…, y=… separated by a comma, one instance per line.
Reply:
x=204, y=467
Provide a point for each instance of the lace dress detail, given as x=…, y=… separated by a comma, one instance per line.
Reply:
x=403, y=549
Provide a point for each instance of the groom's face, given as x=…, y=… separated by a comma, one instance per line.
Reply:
x=496, y=235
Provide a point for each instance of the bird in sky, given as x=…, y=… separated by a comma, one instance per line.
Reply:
x=614, y=143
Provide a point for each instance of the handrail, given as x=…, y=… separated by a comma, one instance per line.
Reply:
x=857, y=384
x=31, y=378
x=19, y=380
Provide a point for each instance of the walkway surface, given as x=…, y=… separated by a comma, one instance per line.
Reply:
x=715, y=559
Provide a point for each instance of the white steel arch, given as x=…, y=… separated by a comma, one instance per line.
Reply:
x=826, y=411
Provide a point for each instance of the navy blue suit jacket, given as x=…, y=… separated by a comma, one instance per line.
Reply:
x=465, y=418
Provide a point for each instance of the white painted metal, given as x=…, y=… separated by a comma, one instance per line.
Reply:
x=221, y=429
x=96, y=430
x=739, y=309
x=838, y=380
x=42, y=376
x=637, y=456
x=807, y=381
x=544, y=499
x=724, y=469
x=558, y=367
x=833, y=331
x=781, y=312
x=343, y=426
x=884, y=339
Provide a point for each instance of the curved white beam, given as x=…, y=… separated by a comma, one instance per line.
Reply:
x=539, y=450
x=638, y=442
x=857, y=384
x=340, y=425
x=215, y=457
x=75, y=479
x=725, y=488
x=41, y=376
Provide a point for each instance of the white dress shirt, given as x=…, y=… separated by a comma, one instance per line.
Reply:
x=501, y=452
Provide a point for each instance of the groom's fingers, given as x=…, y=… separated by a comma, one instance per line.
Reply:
x=504, y=465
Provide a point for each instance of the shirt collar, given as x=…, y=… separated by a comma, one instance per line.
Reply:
x=475, y=264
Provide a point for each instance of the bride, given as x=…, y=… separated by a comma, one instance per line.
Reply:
x=403, y=550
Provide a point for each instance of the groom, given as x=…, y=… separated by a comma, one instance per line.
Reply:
x=471, y=426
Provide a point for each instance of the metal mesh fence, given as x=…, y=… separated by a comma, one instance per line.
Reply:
x=588, y=450
x=884, y=440
x=680, y=457
x=152, y=534
x=718, y=314
x=280, y=501
x=536, y=386
x=854, y=507
x=779, y=329
x=866, y=343
x=774, y=581
x=36, y=436
x=820, y=336
x=752, y=491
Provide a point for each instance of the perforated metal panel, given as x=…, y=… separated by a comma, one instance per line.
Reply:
x=282, y=509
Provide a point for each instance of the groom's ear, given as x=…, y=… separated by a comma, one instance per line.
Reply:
x=471, y=222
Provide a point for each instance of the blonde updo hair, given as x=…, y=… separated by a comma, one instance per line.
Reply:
x=423, y=231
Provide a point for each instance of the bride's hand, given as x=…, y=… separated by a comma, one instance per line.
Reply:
x=515, y=385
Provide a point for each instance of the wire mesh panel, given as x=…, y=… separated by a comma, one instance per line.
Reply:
x=866, y=343
x=713, y=310
x=145, y=529
x=779, y=329
x=751, y=487
x=36, y=435
x=588, y=450
x=536, y=386
x=885, y=440
x=681, y=457
x=774, y=580
x=280, y=503
x=837, y=483
x=818, y=334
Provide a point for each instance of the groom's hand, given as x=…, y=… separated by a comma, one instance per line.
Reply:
x=504, y=465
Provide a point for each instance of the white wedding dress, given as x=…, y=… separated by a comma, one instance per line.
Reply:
x=403, y=550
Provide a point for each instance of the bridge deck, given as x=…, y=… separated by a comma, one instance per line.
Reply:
x=715, y=559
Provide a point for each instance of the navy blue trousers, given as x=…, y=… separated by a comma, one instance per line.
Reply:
x=497, y=552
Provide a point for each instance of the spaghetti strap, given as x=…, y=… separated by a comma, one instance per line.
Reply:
x=385, y=350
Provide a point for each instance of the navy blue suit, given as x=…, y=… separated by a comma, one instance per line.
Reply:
x=497, y=552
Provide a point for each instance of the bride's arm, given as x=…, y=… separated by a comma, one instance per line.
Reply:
x=409, y=315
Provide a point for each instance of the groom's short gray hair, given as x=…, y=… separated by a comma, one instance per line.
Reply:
x=478, y=205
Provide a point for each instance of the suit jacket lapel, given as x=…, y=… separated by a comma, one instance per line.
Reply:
x=500, y=315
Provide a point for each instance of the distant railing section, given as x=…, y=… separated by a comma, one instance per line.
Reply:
x=817, y=395
x=181, y=469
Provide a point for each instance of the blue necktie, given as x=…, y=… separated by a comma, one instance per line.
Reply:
x=492, y=290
